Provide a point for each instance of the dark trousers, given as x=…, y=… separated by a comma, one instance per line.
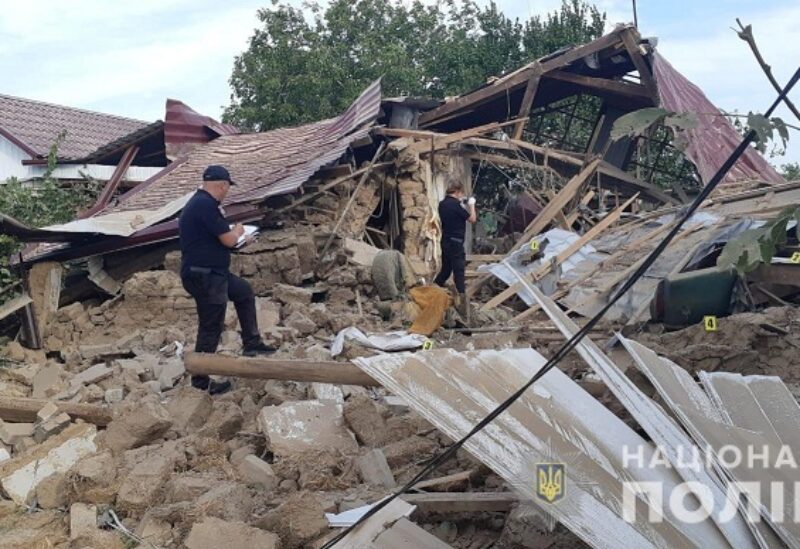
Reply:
x=454, y=260
x=211, y=292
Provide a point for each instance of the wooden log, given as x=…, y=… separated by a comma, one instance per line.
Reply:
x=23, y=410
x=341, y=373
x=458, y=502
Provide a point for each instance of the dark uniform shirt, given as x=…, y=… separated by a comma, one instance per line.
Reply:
x=200, y=224
x=454, y=218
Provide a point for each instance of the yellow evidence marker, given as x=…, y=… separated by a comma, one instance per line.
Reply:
x=710, y=323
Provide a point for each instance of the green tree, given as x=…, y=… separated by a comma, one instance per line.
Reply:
x=298, y=69
x=791, y=171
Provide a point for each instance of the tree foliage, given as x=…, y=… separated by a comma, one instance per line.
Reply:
x=756, y=246
x=301, y=68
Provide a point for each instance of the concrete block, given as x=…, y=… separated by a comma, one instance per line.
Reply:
x=112, y=396
x=20, y=476
x=140, y=425
x=295, y=427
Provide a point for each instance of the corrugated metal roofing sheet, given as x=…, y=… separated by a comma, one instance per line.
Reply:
x=714, y=139
x=36, y=124
x=185, y=128
x=262, y=164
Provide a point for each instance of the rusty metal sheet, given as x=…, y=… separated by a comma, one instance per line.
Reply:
x=714, y=138
x=555, y=422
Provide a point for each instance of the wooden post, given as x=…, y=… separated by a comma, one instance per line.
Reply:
x=24, y=410
x=527, y=102
x=343, y=373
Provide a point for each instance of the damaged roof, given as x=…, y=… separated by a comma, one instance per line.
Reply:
x=35, y=125
x=262, y=164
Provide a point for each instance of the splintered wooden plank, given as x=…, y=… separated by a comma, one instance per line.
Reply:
x=556, y=421
x=463, y=502
x=669, y=437
x=13, y=305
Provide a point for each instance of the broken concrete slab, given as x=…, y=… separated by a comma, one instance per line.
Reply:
x=168, y=372
x=147, y=421
x=292, y=294
x=47, y=380
x=154, y=530
x=52, y=426
x=295, y=427
x=51, y=493
x=112, y=396
x=20, y=476
x=213, y=533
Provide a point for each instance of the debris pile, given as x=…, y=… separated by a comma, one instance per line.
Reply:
x=105, y=443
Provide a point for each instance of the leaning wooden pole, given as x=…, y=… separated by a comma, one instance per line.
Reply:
x=340, y=373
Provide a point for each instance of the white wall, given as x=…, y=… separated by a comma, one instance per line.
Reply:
x=11, y=157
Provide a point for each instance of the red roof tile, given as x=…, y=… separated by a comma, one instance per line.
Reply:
x=35, y=125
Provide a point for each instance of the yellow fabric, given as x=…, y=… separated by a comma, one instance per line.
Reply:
x=434, y=302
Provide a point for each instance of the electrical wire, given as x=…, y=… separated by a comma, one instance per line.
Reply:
x=572, y=342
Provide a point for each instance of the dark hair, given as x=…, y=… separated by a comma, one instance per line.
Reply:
x=454, y=186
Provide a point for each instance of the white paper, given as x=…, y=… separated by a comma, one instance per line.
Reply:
x=249, y=230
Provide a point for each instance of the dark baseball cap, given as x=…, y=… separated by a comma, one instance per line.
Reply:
x=216, y=172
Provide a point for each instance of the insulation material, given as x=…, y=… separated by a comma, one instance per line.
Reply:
x=434, y=302
x=714, y=138
x=671, y=440
x=454, y=391
x=122, y=223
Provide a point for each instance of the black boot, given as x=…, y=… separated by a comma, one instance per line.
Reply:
x=259, y=349
x=205, y=383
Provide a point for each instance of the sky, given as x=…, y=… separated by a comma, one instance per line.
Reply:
x=126, y=58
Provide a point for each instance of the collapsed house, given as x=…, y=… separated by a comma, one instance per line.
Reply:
x=98, y=420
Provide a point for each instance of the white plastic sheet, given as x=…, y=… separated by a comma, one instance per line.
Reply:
x=389, y=341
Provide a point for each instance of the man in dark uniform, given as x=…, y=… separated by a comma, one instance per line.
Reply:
x=454, y=215
x=206, y=241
